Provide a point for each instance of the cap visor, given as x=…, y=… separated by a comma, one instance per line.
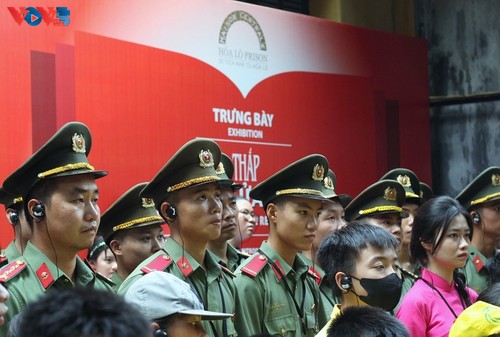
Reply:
x=206, y=315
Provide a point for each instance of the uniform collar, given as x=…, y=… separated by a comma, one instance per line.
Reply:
x=300, y=266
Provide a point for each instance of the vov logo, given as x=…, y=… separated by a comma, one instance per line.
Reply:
x=57, y=16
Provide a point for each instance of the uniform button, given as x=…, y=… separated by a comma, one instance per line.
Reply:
x=262, y=257
x=166, y=257
x=283, y=332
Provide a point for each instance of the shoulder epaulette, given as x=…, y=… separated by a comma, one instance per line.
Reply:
x=243, y=254
x=478, y=263
x=11, y=270
x=3, y=258
x=44, y=276
x=255, y=265
x=160, y=263
x=314, y=273
x=226, y=269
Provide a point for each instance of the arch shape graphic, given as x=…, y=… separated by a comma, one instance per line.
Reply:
x=245, y=17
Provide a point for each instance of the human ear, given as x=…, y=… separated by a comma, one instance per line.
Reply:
x=271, y=212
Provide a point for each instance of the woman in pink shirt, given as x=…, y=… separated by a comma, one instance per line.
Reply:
x=439, y=244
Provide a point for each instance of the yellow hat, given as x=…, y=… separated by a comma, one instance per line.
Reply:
x=478, y=320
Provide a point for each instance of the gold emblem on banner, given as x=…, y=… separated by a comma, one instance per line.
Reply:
x=147, y=203
x=78, y=143
x=318, y=172
x=495, y=180
x=390, y=194
x=404, y=180
x=206, y=158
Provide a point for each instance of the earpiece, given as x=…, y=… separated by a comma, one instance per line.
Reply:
x=171, y=212
x=160, y=333
x=476, y=218
x=13, y=217
x=38, y=212
x=346, y=283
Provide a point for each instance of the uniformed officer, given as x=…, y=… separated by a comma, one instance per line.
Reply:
x=482, y=199
x=22, y=231
x=382, y=204
x=246, y=222
x=131, y=227
x=330, y=219
x=58, y=186
x=277, y=294
x=187, y=194
x=409, y=180
x=228, y=256
x=425, y=192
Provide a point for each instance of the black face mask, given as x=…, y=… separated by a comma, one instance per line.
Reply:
x=383, y=292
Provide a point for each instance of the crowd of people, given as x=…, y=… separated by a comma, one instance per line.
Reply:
x=395, y=260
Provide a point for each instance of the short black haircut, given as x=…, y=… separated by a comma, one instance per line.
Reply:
x=491, y=294
x=366, y=321
x=82, y=312
x=339, y=250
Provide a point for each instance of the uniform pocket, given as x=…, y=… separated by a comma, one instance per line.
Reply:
x=282, y=325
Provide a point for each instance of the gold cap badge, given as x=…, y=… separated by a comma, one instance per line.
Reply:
x=390, y=194
x=78, y=143
x=495, y=180
x=220, y=169
x=318, y=172
x=404, y=180
x=328, y=182
x=206, y=158
x=147, y=202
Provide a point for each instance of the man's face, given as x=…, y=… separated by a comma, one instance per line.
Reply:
x=229, y=213
x=199, y=211
x=136, y=245
x=389, y=221
x=297, y=223
x=73, y=216
x=374, y=263
x=246, y=218
x=490, y=216
x=407, y=223
x=330, y=219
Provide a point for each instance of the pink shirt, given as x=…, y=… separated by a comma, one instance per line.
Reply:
x=424, y=312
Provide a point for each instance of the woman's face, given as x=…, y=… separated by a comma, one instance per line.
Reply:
x=105, y=263
x=453, y=250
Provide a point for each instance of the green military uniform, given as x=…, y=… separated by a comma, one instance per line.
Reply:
x=33, y=275
x=275, y=297
x=214, y=285
x=484, y=189
x=328, y=299
x=271, y=308
x=117, y=280
x=234, y=258
x=192, y=165
x=475, y=271
x=11, y=252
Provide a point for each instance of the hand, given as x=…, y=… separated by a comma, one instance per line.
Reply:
x=4, y=296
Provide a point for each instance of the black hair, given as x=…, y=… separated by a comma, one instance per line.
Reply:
x=491, y=294
x=82, y=312
x=431, y=222
x=493, y=268
x=340, y=250
x=366, y=321
x=42, y=191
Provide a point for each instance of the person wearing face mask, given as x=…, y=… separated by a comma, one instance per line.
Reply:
x=360, y=261
x=440, y=243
